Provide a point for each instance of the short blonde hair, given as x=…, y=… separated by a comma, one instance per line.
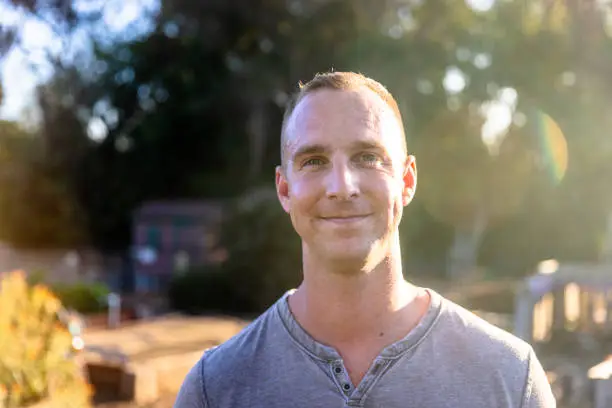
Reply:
x=341, y=81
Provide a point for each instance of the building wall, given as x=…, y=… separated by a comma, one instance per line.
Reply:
x=63, y=266
x=179, y=238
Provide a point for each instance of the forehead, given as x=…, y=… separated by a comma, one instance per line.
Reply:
x=338, y=118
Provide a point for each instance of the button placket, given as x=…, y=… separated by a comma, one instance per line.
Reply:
x=342, y=377
x=378, y=365
x=372, y=376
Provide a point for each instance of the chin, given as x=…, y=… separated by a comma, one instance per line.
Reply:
x=356, y=254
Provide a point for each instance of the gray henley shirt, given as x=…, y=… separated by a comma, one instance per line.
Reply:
x=451, y=359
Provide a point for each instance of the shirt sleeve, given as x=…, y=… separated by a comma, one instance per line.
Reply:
x=538, y=393
x=191, y=393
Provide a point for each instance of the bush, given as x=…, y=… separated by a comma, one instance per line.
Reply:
x=263, y=262
x=34, y=347
x=83, y=297
x=264, y=251
x=204, y=290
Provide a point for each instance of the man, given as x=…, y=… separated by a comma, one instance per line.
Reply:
x=355, y=333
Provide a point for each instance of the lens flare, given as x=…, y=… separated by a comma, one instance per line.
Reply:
x=553, y=146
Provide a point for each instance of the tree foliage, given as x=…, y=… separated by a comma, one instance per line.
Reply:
x=193, y=109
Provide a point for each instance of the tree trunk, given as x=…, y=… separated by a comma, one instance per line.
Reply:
x=257, y=134
x=463, y=255
x=606, y=249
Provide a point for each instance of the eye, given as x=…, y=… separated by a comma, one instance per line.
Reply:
x=370, y=159
x=314, y=162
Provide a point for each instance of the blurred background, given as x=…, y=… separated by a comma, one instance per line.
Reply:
x=138, y=140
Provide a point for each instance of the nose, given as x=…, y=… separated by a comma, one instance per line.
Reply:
x=342, y=183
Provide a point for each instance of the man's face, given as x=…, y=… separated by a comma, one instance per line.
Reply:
x=346, y=176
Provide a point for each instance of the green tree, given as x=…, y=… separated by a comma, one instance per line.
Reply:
x=193, y=109
x=37, y=206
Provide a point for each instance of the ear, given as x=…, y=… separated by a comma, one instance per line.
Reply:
x=410, y=180
x=282, y=188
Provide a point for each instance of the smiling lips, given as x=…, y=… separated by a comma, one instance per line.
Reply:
x=345, y=219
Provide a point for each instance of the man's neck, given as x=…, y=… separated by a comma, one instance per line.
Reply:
x=360, y=309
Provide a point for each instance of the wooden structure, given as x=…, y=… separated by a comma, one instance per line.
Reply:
x=64, y=266
x=572, y=297
x=601, y=378
x=574, y=303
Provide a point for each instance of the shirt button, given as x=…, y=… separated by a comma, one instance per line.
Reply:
x=347, y=387
x=338, y=370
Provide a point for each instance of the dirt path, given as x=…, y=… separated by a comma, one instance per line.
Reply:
x=159, y=343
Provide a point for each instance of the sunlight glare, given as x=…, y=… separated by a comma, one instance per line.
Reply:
x=454, y=80
x=548, y=267
x=498, y=115
x=78, y=344
x=508, y=96
x=572, y=302
x=9, y=16
x=97, y=130
x=482, y=61
x=122, y=15
x=568, y=78
x=480, y=5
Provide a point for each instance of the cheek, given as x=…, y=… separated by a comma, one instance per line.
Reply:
x=389, y=198
x=303, y=198
x=386, y=190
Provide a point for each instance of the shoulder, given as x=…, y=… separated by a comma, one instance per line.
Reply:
x=472, y=334
x=225, y=362
x=242, y=347
x=477, y=346
x=191, y=394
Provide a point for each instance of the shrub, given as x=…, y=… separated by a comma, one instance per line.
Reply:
x=34, y=349
x=204, y=290
x=264, y=251
x=263, y=262
x=83, y=297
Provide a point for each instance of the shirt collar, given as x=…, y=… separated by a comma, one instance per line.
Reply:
x=324, y=352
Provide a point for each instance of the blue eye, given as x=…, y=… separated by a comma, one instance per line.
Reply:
x=313, y=162
x=370, y=159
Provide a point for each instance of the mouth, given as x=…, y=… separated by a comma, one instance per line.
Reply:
x=345, y=219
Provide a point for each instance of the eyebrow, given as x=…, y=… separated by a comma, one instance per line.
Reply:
x=368, y=145
x=308, y=150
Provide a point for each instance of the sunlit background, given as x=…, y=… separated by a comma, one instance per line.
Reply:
x=138, y=140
